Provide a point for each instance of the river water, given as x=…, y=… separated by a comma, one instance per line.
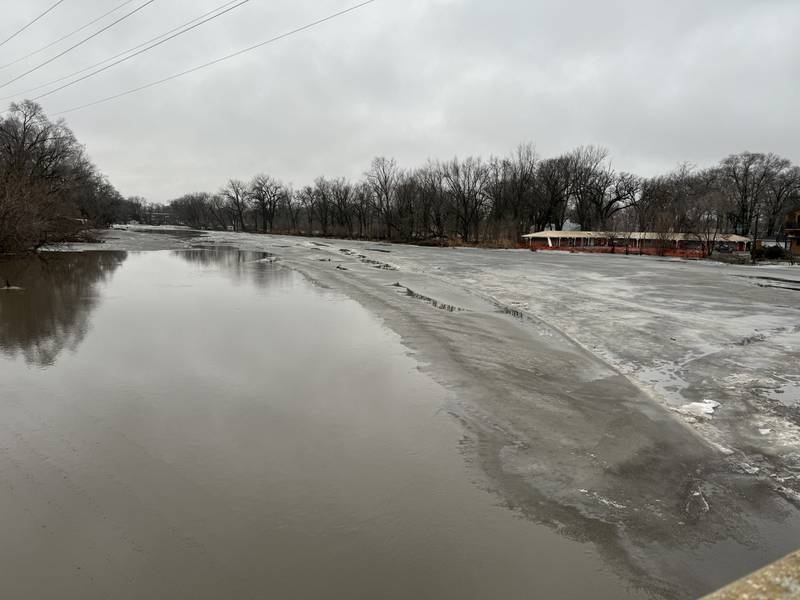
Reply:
x=206, y=424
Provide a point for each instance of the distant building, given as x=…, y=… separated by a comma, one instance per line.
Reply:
x=792, y=230
x=636, y=242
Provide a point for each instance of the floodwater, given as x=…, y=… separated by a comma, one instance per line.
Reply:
x=206, y=424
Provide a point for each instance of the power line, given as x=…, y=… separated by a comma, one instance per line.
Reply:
x=102, y=62
x=64, y=37
x=16, y=33
x=83, y=41
x=142, y=51
x=221, y=59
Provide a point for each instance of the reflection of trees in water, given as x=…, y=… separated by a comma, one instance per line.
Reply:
x=51, y=310
x=241, y=265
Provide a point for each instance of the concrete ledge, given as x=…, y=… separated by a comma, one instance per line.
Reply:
x=778, y=581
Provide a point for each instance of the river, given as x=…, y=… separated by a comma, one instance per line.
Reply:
x=205, y=423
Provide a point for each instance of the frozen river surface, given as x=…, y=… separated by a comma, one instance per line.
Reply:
x=641, y=414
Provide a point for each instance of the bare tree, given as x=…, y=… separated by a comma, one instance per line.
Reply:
x=362, y=205
x=707, y=210
x=748, y=177
x=499, y=212
x=306, y=200
x=193, y=209
x=551, y=190
x=237, y=196
x=782, y=193
x=342, y=192
x=522, y=182
x=48, y=188
x=220, y=211
x=466, y=185
x=407, y=201
x=383, y=177
x=291, y=207
x=589, y=178
x=434, y=203
x=323, y=202
x=266, y=193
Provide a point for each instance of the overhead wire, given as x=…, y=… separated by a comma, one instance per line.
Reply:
x=24, y=27
x=142, y=51
x=83, y=41
x=64, y=37
x=221, y=59
x=123, y=53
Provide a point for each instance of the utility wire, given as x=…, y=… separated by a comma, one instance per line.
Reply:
x=16, y=33
x=142, y=51
x=64, y=37
x=83, y=41
x=102, y=62
x=221, y=59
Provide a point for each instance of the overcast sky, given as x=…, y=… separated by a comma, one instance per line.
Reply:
x=656, y=82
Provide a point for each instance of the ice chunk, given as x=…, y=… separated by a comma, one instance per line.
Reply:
x=701, y=410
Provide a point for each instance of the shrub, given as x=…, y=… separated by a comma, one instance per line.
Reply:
x=770, y=253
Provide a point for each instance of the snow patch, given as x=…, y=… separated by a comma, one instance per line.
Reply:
x=699, y=410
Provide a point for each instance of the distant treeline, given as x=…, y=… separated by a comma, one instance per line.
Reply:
x=49, y=190
x=495, y=201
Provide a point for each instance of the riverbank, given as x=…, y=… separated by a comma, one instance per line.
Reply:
x=778, y=581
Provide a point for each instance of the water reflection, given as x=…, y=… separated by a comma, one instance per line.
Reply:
x=51, y=296
x=241, y=266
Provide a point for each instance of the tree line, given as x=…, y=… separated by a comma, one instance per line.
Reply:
x=495, y=201
x=49, y=189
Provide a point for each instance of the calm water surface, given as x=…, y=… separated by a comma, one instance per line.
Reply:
x=205, y=424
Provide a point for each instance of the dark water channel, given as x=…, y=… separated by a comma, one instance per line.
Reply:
x=206, y=424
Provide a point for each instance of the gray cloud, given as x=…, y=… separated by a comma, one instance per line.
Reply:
x=655, y=82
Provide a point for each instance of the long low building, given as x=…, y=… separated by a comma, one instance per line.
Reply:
x=646, y=242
